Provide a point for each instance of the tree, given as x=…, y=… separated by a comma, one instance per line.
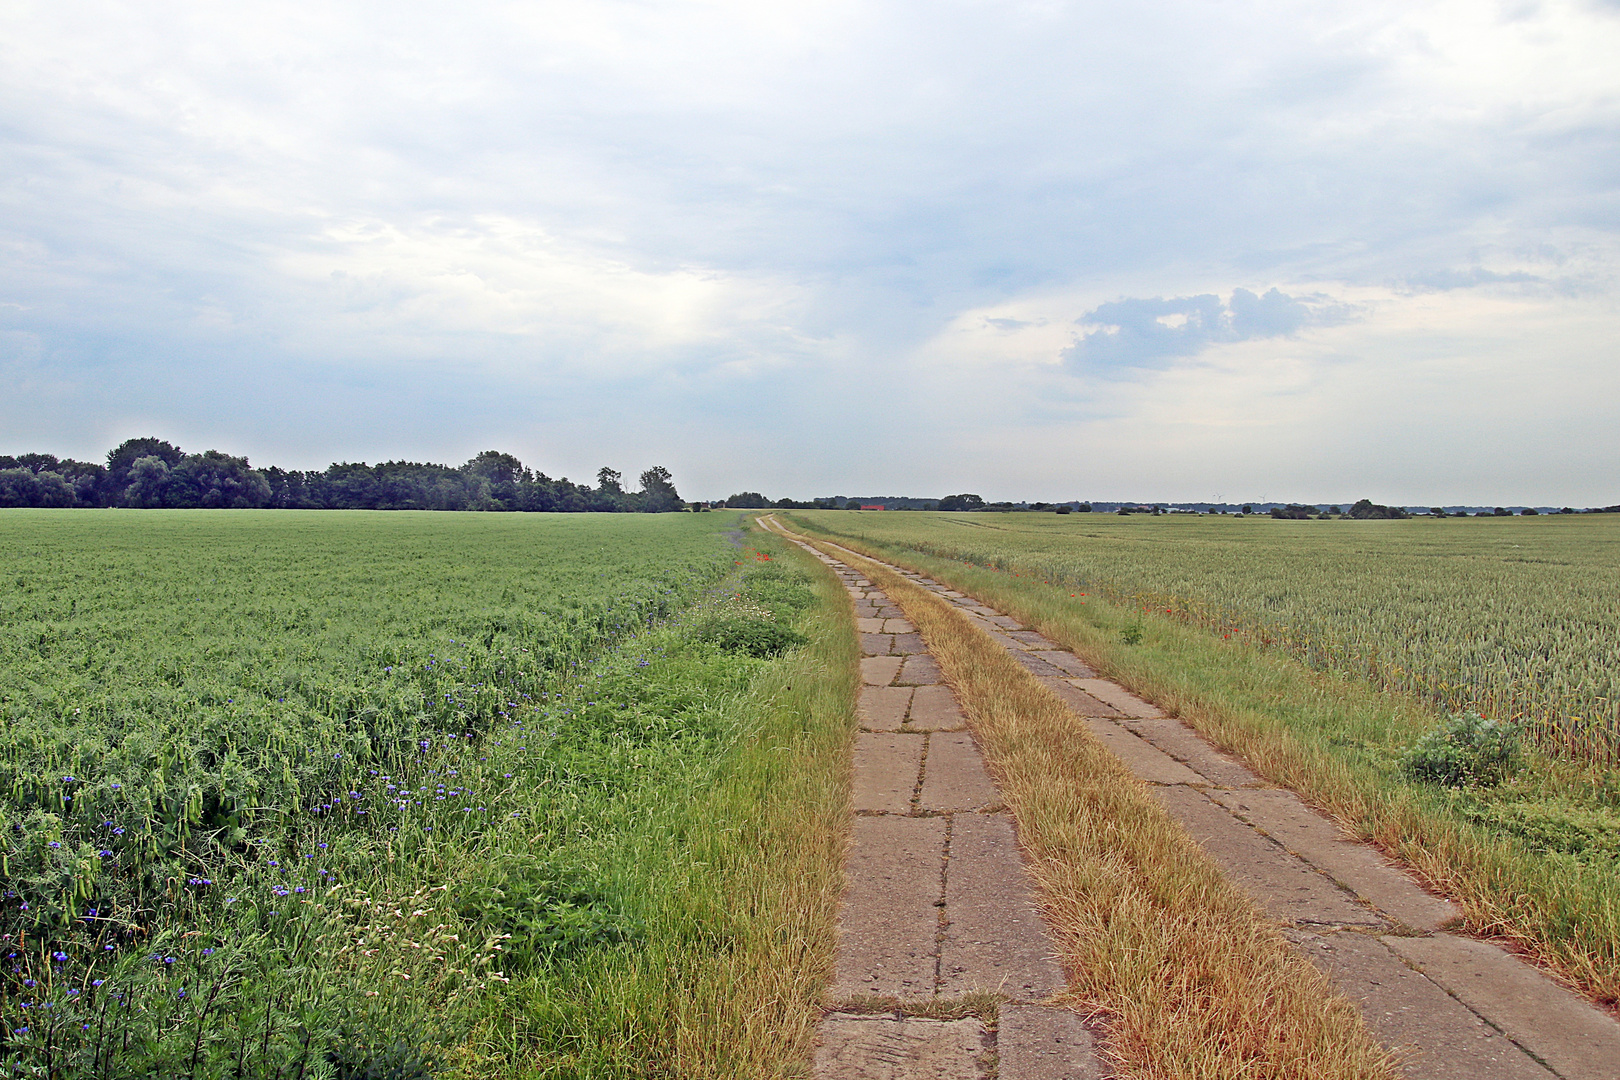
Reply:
x=747, y=500
x=609, y=480
x=216, y=481
x=658, y=494
x=1366, y=509
x=504, y=474
x=24, y=487
x=122, y=458
x=961, y=502
x=148, y=484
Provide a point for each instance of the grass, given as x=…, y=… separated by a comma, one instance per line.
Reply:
x=1531, y=861
x=738, y=881
x=416, y=795
x=1514, y=618
x=1194, y=980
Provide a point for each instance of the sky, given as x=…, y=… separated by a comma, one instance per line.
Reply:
x=1297, y=250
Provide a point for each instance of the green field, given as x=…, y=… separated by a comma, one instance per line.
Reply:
x=1518, y=618
x=370, y=794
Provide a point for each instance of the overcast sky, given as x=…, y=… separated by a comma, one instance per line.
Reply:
x=1042, y=250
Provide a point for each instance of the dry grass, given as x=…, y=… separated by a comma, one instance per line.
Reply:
x=1192, y=979
x=1296, y=728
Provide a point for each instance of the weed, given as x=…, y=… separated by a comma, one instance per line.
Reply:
x=1465, y=749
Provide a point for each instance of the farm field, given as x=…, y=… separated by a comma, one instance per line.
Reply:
x=1287, y=641
x=1518, y=618
x=410, y=794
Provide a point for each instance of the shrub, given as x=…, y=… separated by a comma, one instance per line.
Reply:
x=752, y=637
x=1465, y=749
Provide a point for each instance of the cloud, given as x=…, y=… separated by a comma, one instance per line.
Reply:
x=1150, y=333
x=1009, y=325
x=373, y=229
x=1443, y=280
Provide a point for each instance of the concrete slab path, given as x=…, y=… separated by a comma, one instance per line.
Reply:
x=1447, y=1006
x=939, y=915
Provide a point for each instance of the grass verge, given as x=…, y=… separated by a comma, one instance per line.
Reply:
x=1194, y=979
x=736, y=879
x=1336, y=742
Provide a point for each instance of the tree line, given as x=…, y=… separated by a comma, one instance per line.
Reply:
x=154, y=473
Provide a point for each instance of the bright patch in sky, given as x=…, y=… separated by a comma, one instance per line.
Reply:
x=1035, y=250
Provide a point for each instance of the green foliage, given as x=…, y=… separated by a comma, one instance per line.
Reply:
x=783, y=592
x=1466, y=749
x=749, y=636
x=246, y=744
x=548, y=911
x=1558, y=825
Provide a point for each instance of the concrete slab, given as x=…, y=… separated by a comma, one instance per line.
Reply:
x=1035, y=665
x=1112, y=693
x=1183, y=743
x=1037, y=1042
x=953, y=594
x=868, y=626
x=1066, y=662
x=1078, y=700
x=889, y=921
x=1033, y=639
x=935, y=708
x=865, y=609
x=1573, y=1038
x=1006, y=622
x=885, y=775
x=1146, y=761
x=919, y=670
x=955, y=777
x=1433, y=1035
x=999, y=637
x=994, y=939
x=880, y=670
x=863, y=583
x=897, y=625
x=883, y=708
x=883, y=1048
x=909, y=643
x=1358, y=867
x=1283, y=885
x=877, y=644
x=890, y=610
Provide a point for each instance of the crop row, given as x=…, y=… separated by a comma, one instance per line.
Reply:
x=1516, y=618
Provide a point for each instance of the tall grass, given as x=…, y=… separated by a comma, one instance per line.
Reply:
x=428, y=773
x=1516, y=618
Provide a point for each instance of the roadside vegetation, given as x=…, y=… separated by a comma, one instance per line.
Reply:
x=1193, y=980
x=1527, y=841
x=415, y=795
x=1512, y=618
